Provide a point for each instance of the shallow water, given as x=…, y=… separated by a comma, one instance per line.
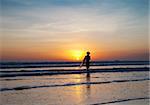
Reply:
x=73, y=68
x=76, y=89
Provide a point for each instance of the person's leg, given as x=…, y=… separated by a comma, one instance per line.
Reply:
x=88, y=74
x=88, y=71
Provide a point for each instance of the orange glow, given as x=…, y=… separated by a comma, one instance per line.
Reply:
x=69, y=52
x=76, y=54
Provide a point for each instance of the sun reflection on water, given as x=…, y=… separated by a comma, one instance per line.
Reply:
x=81, y=90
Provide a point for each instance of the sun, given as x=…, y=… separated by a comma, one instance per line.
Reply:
x=77, y=54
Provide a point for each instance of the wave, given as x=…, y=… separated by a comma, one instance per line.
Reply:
x=60, y=72
x=70, y=84
x=122, y=100
x=5, y=65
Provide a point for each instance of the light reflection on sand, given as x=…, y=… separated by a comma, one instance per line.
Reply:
x=78, y=89
x=77, y=94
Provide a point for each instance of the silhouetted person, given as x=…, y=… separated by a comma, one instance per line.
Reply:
x=86, y=60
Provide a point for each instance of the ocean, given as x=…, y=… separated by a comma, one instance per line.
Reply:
x=64, y=83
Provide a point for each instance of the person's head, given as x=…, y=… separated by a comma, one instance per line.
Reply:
x=88, y=53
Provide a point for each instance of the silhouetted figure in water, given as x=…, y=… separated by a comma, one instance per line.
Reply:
x=86, y=60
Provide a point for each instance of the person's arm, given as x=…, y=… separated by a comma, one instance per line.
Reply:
x=83, y=62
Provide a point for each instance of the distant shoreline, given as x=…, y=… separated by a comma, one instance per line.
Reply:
x=40, y=62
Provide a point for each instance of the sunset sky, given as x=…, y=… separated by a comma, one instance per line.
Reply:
x=63, y=30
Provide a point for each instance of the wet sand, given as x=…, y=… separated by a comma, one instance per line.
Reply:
x=127, y=88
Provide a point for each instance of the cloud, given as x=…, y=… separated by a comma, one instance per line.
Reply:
x=99, y=25
x=107, y=19
x=69, y=19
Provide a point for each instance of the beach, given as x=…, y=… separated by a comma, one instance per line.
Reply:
x=74, y=52
x=113, y=87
